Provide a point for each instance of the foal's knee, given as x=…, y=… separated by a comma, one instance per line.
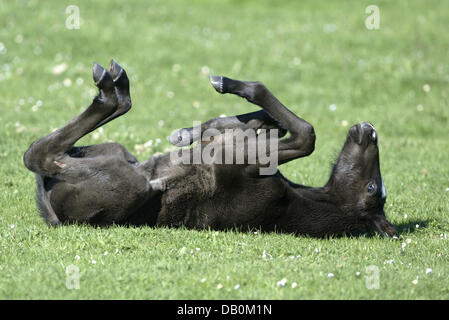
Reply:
x=304, y=138
x=31, y=158
x=310, y=139
x=38, y=160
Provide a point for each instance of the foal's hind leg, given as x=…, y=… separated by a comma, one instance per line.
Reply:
x=100, y=191
x=45, y=156
x=95, y=184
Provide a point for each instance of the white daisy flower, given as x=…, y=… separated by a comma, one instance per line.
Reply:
x=205, y=70
x=58, y=69
x=281, y=283
x=67, y=82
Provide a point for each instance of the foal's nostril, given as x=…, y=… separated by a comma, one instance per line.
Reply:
x=370, y=130
x=356, y=133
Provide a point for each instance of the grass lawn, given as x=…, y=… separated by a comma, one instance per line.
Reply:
x=317, y=57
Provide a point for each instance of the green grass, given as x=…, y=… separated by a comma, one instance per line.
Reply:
x=311, y=54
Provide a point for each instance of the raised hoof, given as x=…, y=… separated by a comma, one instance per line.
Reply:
x=217, y=83
x=103, y=79
x=158, y=184
x=181, y=138
x=119, y=75
x=114, y=69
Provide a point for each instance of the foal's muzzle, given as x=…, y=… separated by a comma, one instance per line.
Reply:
x=363, y=132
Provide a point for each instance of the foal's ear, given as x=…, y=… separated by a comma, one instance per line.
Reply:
x=384, y=227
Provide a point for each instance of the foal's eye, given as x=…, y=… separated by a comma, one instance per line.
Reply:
x=371, y=188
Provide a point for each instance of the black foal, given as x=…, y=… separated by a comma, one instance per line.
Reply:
x=105, y=184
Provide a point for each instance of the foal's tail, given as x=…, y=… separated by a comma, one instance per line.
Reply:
x=43, y=203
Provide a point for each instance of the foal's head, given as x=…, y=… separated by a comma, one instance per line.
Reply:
x=356, y=179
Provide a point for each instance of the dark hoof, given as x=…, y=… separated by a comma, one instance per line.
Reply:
x=158, y=184
x=114, y=69
x=217, y=83
x=181, y=138
x=102, y=78
x=119, y=75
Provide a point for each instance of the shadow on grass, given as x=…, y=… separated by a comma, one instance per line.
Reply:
x=401, y=228
x=411, y=226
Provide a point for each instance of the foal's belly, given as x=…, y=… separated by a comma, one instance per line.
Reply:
x=222, y=197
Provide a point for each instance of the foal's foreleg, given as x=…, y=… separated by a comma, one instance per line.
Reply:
x=253, y=120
